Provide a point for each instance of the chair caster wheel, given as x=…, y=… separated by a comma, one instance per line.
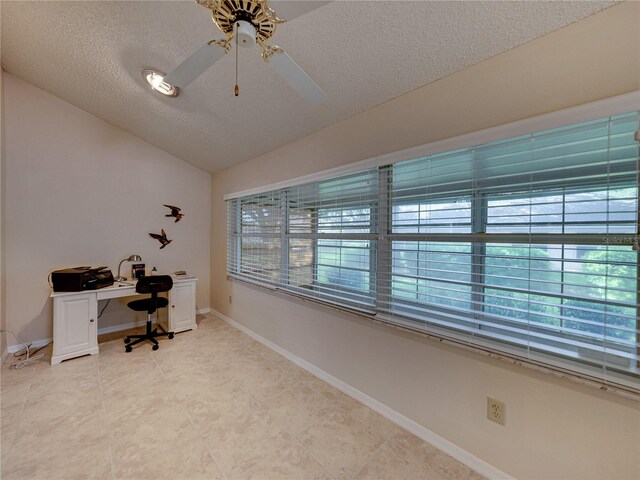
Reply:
x=155, y=347
x=127, y=340
x=128, y=349
x=170, y=335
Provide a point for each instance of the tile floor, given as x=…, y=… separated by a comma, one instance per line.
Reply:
x=211, y=404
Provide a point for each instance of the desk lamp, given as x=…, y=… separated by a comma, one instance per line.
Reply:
x=132, y=258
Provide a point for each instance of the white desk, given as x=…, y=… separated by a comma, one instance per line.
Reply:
x=75, y=315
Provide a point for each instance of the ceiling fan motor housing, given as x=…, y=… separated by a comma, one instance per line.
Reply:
x=257, y=20
x=246, y=34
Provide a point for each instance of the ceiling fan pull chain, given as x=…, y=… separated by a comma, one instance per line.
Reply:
x=236, y=89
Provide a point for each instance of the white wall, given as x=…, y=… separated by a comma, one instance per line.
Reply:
x=555, y=428
x=79, y=191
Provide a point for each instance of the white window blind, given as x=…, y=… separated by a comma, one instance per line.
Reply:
x=524, y=246
x=317, y=239
x=527, y=247
x=257, y=225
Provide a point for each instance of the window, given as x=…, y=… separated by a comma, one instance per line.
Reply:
x=315, y=239
x=257, y=252
x=526, y=246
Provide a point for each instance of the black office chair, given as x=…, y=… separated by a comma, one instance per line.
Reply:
x=152, y=285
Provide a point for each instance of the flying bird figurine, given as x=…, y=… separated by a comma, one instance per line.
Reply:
x=161, y=238
x=175, y=212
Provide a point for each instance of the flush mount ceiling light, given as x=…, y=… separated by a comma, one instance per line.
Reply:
x=248, y=22
x=155, y=78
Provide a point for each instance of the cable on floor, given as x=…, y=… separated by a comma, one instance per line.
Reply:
x=25, y=351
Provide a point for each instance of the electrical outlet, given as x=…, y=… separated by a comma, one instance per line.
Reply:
x=495, y=410
x=230, y=299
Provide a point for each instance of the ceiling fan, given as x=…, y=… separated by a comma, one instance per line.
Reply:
x=248, y=22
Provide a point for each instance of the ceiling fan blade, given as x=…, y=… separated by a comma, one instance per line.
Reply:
x=195, y=65
x=290, y=9
x=302, y=83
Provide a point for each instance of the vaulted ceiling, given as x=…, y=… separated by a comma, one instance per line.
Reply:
x=92, y=53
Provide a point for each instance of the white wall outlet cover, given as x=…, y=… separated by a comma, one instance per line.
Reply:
x=496, y=410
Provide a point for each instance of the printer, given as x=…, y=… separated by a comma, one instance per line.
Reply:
x=81, y=278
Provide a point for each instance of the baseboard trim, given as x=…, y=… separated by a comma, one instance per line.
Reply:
x=121, y=326
x=18, y=346
x=424, y=433
x=204, y=311
x=101, y=331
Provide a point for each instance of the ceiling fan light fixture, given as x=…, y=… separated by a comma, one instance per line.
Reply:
x=155, y=78
x=246, y=34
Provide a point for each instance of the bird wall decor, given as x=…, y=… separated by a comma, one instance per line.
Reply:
x=175, y=212
x=161, y=238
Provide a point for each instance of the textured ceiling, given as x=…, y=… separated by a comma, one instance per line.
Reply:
x=91, y=54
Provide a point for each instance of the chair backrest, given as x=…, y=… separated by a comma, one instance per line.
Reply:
x=154, y=284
